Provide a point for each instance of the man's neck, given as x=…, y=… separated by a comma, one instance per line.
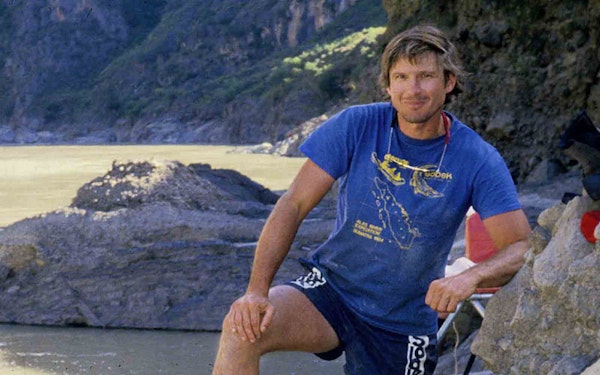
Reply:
x=432, y=128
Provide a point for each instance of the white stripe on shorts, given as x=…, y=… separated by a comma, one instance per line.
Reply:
x=416, y=355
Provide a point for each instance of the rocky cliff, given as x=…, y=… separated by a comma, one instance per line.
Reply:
x=534, y=65
x=161, y=71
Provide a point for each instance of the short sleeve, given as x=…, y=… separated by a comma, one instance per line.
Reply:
x=332, y=144
x=494, y=191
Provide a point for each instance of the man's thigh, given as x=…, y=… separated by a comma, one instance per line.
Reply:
x=297, y=324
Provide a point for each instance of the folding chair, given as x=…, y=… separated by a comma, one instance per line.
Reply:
x=478, y=247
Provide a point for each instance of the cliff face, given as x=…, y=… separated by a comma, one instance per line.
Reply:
x=75, y=66
x=56, y=45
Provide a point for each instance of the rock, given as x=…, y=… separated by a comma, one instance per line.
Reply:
x=547, y=316
x=539, y=239
x=236, y=184
x=546, y=170
x=7, y=134
x=549, y=217
x=155, y=132
x=491, y=34
x=293, y=140
x=593, y=369
x=131, y=184
x=501, y=125
x=263, y=148
x=148, y=245
x=25, y=135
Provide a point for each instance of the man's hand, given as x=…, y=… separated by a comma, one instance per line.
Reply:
x=509, y=231
x=444, y=294
x=250, y=316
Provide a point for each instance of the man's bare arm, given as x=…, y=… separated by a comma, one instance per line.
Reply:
x=509, y=232
x=252, y=313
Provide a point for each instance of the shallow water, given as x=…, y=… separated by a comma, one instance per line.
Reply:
x=69, y=351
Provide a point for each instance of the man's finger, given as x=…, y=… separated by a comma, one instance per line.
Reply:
x=448, y=303
x=432, y=297
x=255, y=322
x=247, y=326
x=233, y=320
x=453, y=305
x=267, y=318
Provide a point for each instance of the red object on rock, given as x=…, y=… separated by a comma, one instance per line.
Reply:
x=479, y=246
x=589, y=221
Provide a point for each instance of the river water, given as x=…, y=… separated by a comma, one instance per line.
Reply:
x=26, y=350
x=39, y=179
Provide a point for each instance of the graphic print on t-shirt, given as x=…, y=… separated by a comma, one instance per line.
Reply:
x=393, y=216
x=392, y=168
x=394, y=220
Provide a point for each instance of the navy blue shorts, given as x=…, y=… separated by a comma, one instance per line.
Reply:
x=369, y=349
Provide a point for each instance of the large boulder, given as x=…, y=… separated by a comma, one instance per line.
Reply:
x=148, y=245
x=545, y=321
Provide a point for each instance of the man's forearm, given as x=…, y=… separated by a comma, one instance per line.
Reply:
x=500, y=269
x=274, y=244
x=510, y=232
x=306, y=191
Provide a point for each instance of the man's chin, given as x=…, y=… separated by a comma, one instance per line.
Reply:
x=417, y=119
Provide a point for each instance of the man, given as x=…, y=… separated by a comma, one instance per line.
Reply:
x=408, y=172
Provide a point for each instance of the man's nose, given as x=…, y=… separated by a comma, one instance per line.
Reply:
x=414, y=85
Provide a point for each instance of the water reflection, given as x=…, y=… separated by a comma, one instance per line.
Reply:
x=69, y=351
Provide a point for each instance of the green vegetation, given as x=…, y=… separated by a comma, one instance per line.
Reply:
x=329, y=65
x=203, y=66
x=318, y=59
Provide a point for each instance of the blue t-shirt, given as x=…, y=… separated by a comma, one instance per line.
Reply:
x=395, y=225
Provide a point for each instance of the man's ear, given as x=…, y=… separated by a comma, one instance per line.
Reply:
x=450, y=82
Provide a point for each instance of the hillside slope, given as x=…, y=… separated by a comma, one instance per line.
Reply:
x=212, y=70
x=229, y=71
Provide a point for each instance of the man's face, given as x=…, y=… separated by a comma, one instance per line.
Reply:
x=418, y=90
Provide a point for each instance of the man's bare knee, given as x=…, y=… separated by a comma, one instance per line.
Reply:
x=296, y=325
x=235, y=356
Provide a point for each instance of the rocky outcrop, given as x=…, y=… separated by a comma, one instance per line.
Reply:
x=545, y=321
x=148, y=245
x=290, y=144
